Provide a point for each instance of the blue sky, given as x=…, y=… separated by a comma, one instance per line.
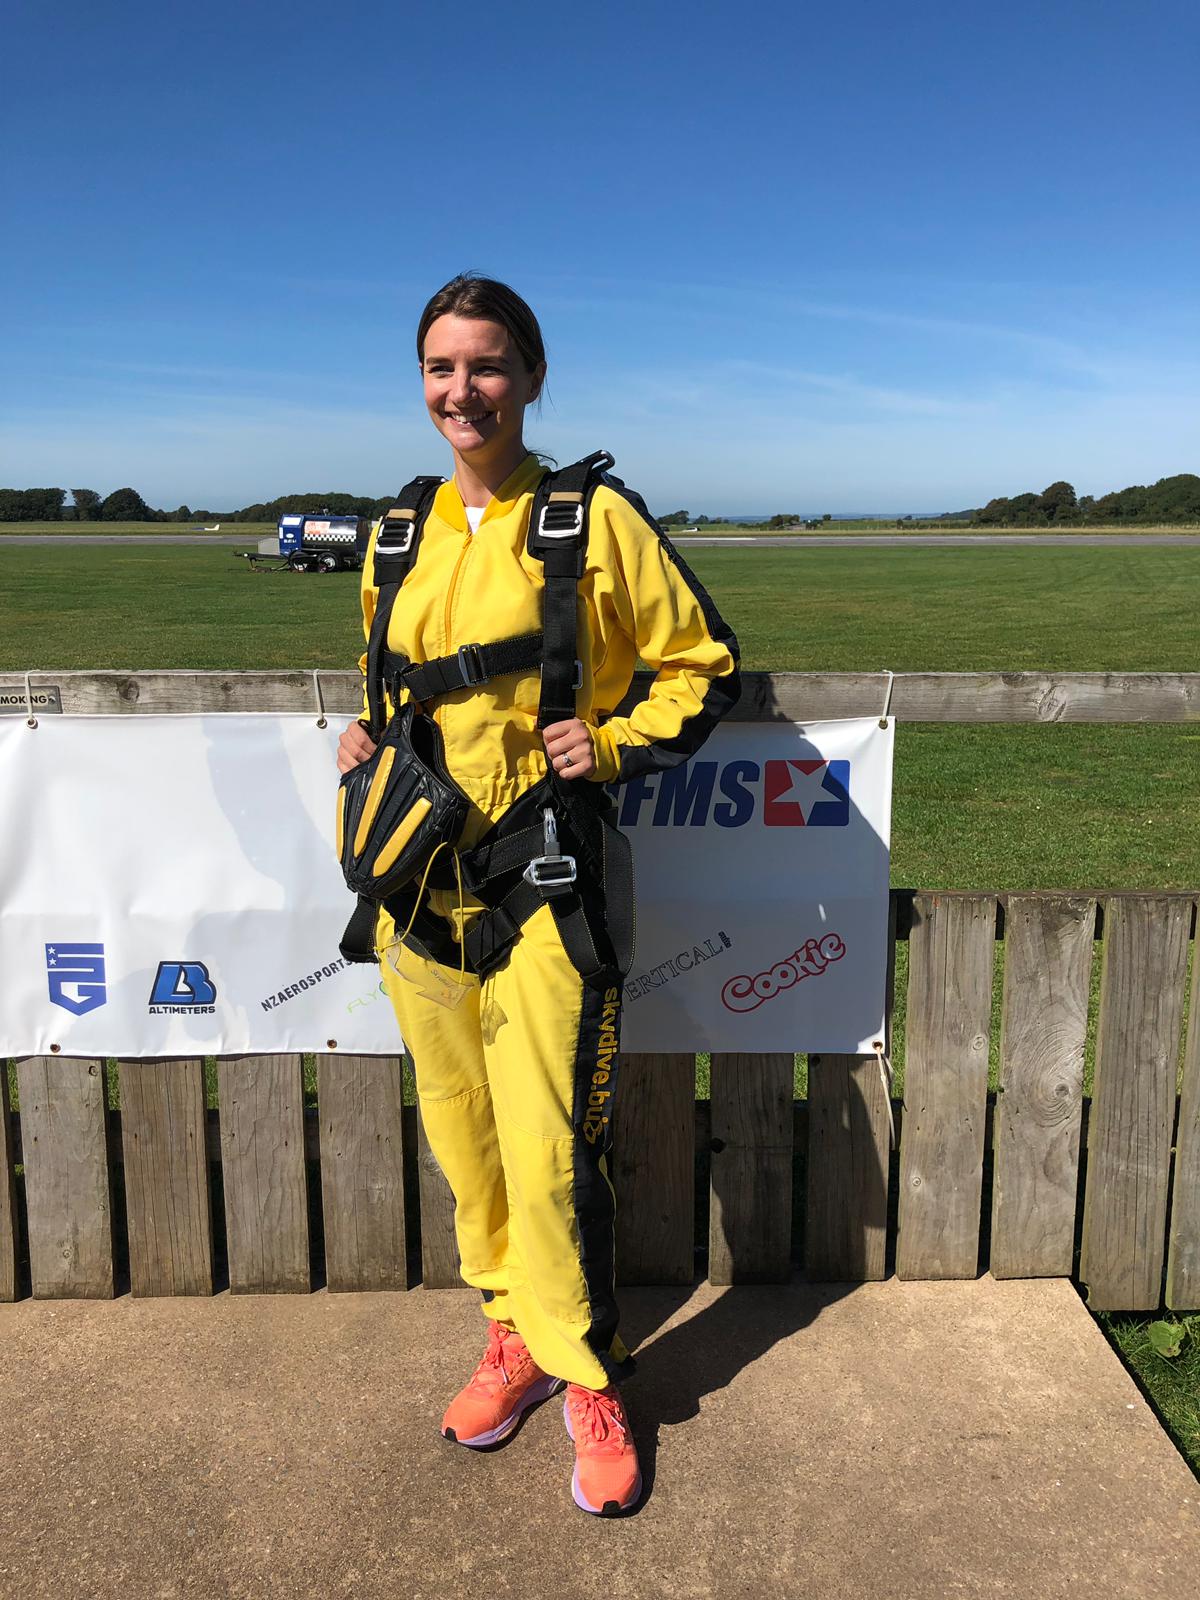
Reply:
x=786, y=257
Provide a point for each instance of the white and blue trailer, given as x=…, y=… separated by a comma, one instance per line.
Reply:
x=319, y=542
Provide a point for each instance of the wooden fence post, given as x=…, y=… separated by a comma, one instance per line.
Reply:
x=167, y=1199
x=262, y=1157
x=360, y=1109
x=10, y=1233
x=654, y=1168
x=750, y=1210
x=1035, y=1136
x=945, y=1085
x=64, y=1147
x=1183, y=1254
x=1133, y=1101
x=849, y=1148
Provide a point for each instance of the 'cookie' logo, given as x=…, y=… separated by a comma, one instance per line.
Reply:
x=744, y=993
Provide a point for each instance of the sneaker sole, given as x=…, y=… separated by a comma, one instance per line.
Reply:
x=610, y=1508
x=534, y=1395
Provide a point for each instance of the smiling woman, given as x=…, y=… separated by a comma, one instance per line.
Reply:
x=505, y=609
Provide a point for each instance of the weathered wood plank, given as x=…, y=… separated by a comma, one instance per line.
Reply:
x=1142, y=969
x=653, y=1169
x=1092, y=697
x=167, y=1199
x=1047, y=966
x=261, y=1101
x=750, y=1210
x=849, y=1146
x=67, y=1187
x=1183, y=1250
x=439, y=1243
x=10, y=1233
x=945, y=1085
x=360, y=1102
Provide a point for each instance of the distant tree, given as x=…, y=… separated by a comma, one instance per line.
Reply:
x=994, y=514
x=180, y=514
x=31, y=505
x=125, y=505
x=1023, y=510
x=1174, y=499
x=675, y=519
x=1058, y=503
x=87, y=505
x=828, y=517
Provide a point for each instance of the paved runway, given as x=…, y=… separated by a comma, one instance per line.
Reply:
x=939, y=541
x=773, y=541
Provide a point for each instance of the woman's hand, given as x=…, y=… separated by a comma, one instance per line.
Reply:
x=356, y=745
x=569, y=747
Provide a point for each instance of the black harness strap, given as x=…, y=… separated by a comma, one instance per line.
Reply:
x=396, y=548
x=469, y=666
x=558, y=539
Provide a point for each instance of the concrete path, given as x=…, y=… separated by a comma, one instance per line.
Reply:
x=908, y=1440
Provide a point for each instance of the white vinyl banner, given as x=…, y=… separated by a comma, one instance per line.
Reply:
x=762, y=891
x=170, y=888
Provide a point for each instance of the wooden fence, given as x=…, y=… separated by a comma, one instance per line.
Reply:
x=267, y=1195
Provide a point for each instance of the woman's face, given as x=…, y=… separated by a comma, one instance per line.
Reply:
x=477, y=388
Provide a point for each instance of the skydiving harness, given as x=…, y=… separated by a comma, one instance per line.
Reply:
x=557, y=844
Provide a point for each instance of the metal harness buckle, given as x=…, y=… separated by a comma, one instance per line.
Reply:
x=558, y=509
x=552, y=873
x=471, y=663
x=384, y=544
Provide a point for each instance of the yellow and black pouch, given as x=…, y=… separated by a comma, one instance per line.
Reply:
x=395, y=809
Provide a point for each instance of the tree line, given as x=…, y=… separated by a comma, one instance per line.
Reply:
x=1170, y=500
x=48, y=505
x=127, y=505
x=1174, y=499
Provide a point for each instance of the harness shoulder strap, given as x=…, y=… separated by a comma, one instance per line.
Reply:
x=558, y=533
x=396, y=546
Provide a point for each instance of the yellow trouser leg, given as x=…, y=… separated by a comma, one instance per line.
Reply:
x=456, y=1110
x=550, y=1048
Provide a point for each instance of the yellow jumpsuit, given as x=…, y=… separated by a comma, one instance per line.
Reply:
x=516, y=1082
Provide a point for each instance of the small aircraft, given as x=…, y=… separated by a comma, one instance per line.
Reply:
x=216, y=528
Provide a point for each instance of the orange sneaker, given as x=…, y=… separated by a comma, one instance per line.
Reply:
x=501, y=1389
x=607, y=1478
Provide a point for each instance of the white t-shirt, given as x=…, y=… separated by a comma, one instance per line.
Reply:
x=474, y=514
